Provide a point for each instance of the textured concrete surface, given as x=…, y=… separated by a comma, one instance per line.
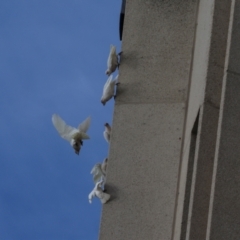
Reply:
x=146, y=171
x=203, y=174
x=195, y=100
x=189, y=179
x=157, y=45
x=162, y=178
x=225, y=219
x=205, y=93
x=148, y=124
x=200, y=198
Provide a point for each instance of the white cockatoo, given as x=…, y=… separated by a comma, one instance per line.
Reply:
x=112, y=62
x=71, y=134
x=107, y=132
x=98, y=192
x=108, y=89
x=99, y=171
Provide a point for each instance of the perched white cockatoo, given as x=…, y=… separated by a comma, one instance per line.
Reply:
x=108, y=89
x=71, y=134
x=98, y=192
x=99, y=171
x=112, y=62
x=107, y=132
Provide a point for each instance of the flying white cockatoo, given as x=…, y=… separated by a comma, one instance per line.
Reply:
x=99, y=171
x=112, y=62
x=71, y=134
x=107, y=132
x=98, y=192
x=108, y=89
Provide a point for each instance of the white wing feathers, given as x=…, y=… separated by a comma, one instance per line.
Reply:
x=113, y=51
x=91, y=195
x=98, y=192
x=104, y=197
x=108, y=82
x=83, y=127
x=112, y=59
x=67, y=132
x=104, y=166
x=97, y=173
x=96, y=168
x=63, y=129
x=106, y=136
x=112, y=62
x=108, y=89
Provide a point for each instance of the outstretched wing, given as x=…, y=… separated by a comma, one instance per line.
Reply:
x=83, y=127
x=63, y=129
x=91, y=195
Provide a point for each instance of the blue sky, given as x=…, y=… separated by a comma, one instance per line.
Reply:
x=53, y=60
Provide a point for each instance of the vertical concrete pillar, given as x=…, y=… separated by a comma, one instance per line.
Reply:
x=218, y=13
x=224, y=217
x=149, y=119
x=204, y=97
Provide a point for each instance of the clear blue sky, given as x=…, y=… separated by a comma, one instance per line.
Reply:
x=53, y=60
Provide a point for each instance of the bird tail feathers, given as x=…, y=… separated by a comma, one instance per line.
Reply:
x=105, y=198
x=84, y=136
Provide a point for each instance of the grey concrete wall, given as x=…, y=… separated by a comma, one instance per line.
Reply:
x=224, y=218
x=149, y=118
x=174, y=63
x=203, y=170
x=196, y=97
x=189, y=179
x=205, y=93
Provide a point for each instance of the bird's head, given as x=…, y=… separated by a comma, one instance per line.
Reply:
x=108, y=72
x=107, y=127
x=103, y=102
x=76, y=147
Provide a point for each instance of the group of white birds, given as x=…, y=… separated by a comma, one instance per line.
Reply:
x=76, y=135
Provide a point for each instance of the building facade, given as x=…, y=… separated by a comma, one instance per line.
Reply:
x=174, y=157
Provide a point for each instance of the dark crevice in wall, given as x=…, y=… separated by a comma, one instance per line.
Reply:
x=121, y=20
x=189, y=178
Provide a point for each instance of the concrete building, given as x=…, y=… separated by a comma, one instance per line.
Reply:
x=174, y=157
